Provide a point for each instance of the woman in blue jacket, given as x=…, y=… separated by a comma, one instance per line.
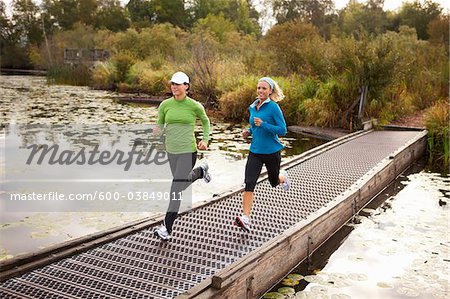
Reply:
x=266, y=123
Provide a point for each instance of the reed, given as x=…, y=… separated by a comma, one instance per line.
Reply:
x=437, y=123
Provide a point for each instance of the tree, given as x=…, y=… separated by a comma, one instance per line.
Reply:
x=312, y=11
x=111, y=15
x=293, y=47
x=369, y=17
x=5, y=24
x=438, y=31
x=26, y=22
x=170, y=11
x=140, y=11
x=6, y=38
x=65, y=13
x=19, y=33
x=217, y=25
x=241, y=12
x=418, y=15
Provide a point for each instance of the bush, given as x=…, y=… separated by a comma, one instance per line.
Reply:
x=204, y=66
x=437, y=123
x=322, y=110
x=293, y=47
x=69, y=74
x=123, y=61
x=104, y=75
x=296, y=90
x=154, y=82
x=234, y=104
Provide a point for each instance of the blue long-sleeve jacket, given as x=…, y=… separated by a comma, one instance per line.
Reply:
x=265, y=137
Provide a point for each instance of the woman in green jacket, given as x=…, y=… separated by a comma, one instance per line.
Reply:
x=177, y=115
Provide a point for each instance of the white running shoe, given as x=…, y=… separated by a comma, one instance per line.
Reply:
x=287, y=182
x=162, y=233
x=243, y=222
x=206, y=175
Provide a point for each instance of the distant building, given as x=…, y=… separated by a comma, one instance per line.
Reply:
x=76, y=56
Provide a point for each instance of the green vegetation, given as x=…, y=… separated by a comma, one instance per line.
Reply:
x=321, y=57
x=437, y=120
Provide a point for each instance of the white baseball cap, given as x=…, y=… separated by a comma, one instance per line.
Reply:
x=179, y=78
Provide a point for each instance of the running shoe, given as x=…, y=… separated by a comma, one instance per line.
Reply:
x=162, y=233
x=287, y=182
x=243, y=222
x=206, y=175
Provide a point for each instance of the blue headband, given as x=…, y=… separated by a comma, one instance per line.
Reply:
x=268, y=80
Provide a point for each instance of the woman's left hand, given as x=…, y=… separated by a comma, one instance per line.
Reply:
x=257, y=121
x=202, y=145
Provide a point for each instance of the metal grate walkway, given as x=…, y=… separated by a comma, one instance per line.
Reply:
x=204, y=240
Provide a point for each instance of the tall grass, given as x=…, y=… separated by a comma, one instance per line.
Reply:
x=69, y=75
x=234, y=104
x=437, y=122
x=104, y=75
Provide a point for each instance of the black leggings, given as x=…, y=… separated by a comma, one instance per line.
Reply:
x=183, y=175
x=254, y=166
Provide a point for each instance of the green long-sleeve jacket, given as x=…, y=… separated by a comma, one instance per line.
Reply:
x=179, y=117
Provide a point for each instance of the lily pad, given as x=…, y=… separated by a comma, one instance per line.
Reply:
x=313, y=278
x=368, y=211
x=357, y=276
x=384, y=285
x=302, y=295
x=289, y=282
x=295, y=277
x=273, y=295
x=286, y=291
x=408, y=292
x=4, y=256
x=319, y=290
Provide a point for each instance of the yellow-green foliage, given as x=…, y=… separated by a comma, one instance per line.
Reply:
x=160, y=39
x=234, y=104
x=123, y=61
x=321, y=79
x=124, y=87
x=293, y=47
x=141, y=77
x=103, y=75
x=296, y=90
x=232, y=74
x=36, y=57
x=322, y=110
x=217, y=25
x=437, y=119
x=154, y=82
x=71, y=75
x=437, y=122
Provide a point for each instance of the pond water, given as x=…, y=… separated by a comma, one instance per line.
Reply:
x=30, y=100
x=397, y=247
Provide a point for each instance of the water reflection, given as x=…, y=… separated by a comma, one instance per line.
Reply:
x=29, y=100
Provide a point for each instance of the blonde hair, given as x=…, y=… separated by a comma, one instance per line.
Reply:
x=277, y=94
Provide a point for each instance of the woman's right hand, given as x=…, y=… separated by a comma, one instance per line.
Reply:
x=245, y=134
x=156, y=130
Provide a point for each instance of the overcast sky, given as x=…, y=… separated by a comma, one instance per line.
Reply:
x=388, y=4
